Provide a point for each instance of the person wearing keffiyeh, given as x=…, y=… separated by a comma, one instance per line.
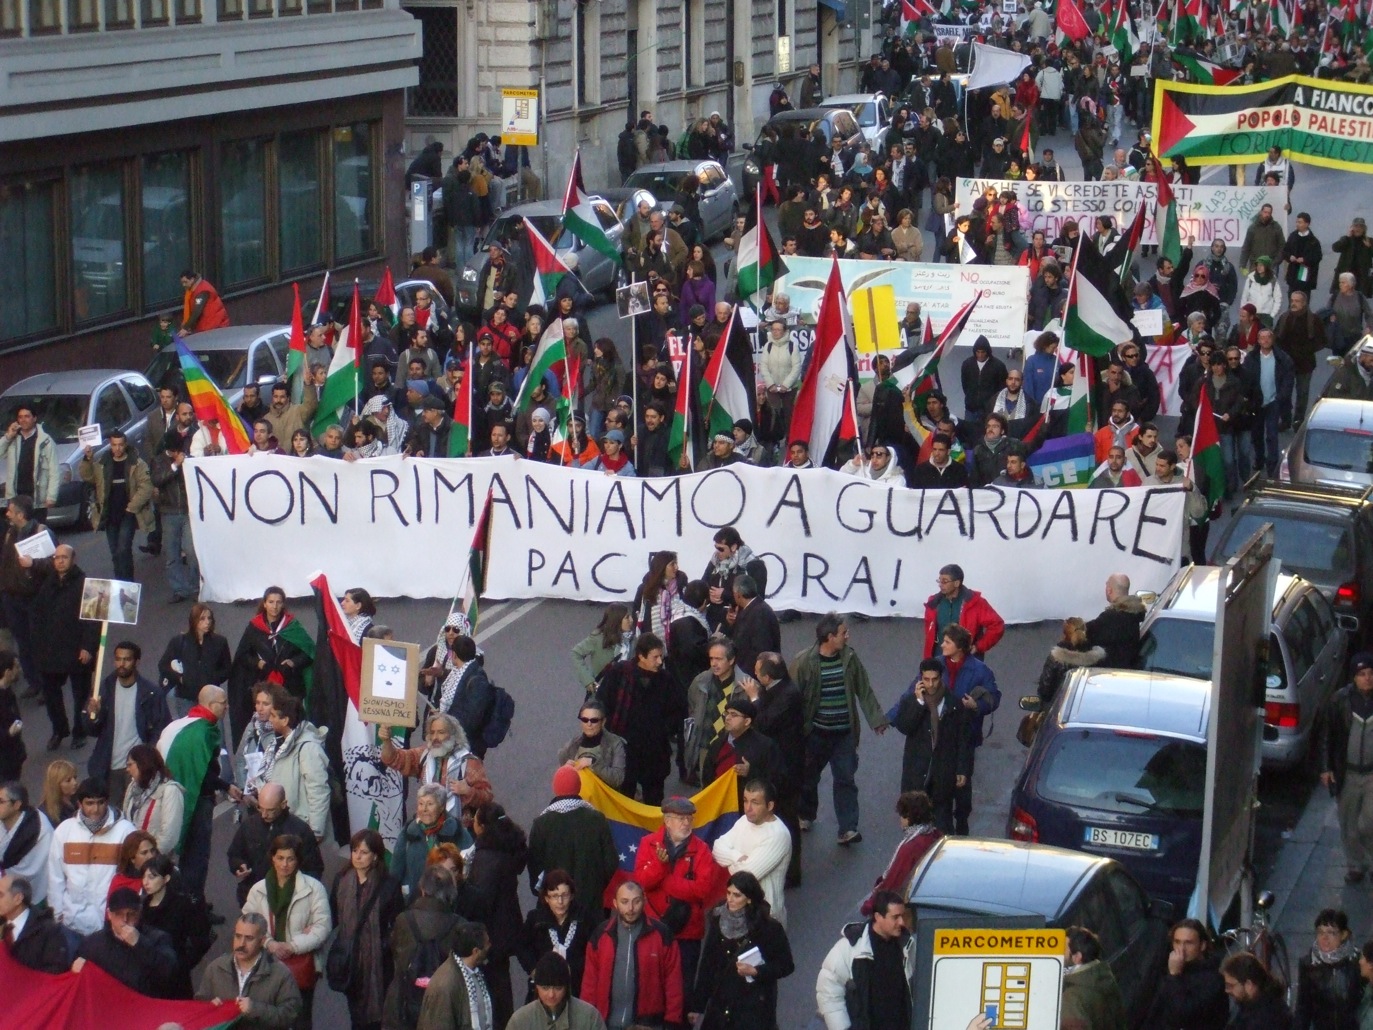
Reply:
x=445, y=759
x=381, y=411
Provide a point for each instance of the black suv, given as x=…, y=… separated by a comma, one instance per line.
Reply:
x=1324, y=533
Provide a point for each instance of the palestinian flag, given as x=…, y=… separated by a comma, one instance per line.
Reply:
x=726, y=393
x=923, y=372
x=88, y=1000
x=386, y=295
x=460, y=436
x=189, y=745
x=820, y=400
x=548, y=267
x=1279, y=18
x=478, y=557
x=552, y=352
x=760, y=265
x=679, y=449
x=1122, y=255
x=342, y=384
x=1208, y=468
x=580, y=220
x=1207, y=73
x=1070, y=25
x=1187, y=24
x=295, y=350
x=372, y=792
x=1077, y=397
x=1166, y=222
x=209, y=403
x=1091, y=323
x=1122, y=34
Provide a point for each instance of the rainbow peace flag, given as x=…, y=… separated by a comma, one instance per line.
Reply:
x=717, y=809
x=209, y=403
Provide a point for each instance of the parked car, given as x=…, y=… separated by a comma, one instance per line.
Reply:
x=1323, y=533
x=595, y=271
x=233, y=357
x=341, y=298
x=872, y=111
x=1307, y=649
x=1118, y=768
x=793, y=128
x=965, y=879
x=1333, y=446
x=64, y=402
x=715, y=196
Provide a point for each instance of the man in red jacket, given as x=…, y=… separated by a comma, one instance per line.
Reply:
x=633, y=967
x=955, y=603
x=680, y=878
x=201, y=307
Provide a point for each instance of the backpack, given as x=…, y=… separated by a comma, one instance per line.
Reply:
x=428, y=956
x=502, y=714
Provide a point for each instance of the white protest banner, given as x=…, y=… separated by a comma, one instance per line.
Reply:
x=952, y=35
x=1166, y=363
x=830, y=541
x=1205, y=213
x=940, y=290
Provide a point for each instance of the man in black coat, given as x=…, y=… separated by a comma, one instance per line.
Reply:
x=781, y=716
x=249, y=857
x=752, y=755
x=752, y=625
x=32, y=935
x=732, y=558
x=141, y=958
x=642, y=707
x=938, y=756
x=428, y=437
x=983, y=376
x=1193, y=992
x=123, y=686
x=64, y=645
x=1116, y=629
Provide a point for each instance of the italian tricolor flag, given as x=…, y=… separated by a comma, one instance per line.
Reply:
x=759, y=263
x=342, y=385
x=580, y=220
x=1208, y=468
x=188, y=745
x=548, y=267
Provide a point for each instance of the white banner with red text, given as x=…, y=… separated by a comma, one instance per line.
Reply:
x=400, y=527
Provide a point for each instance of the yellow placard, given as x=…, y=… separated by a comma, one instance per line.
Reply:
x=999, y=942
x=875, y=326
x=520, y=117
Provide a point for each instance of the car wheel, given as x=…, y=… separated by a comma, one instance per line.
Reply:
x=83, y=512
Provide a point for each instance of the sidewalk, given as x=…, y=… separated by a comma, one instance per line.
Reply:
x=1308, y=876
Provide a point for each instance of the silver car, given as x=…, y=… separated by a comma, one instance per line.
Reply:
x=872, y=111
x=63, y=402
x=1333, y=446
x=1178, y=636
x=715, y=195
x=233, y=357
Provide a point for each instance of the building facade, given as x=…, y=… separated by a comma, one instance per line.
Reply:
x=598, y=63
x=258, y=142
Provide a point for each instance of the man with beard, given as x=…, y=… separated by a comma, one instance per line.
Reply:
x=263, y=988
x=444, y=759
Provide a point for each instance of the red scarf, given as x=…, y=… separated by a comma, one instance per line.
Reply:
x=201, y=712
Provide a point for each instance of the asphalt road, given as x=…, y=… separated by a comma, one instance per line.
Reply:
x=528, y=644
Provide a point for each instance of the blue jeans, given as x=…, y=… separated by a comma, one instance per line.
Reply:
x=1229, y=456
x=595, y=422
x=184, y=579
x=840, y=752
x=195, y=853
x=1073, y=112
x=1264, y=436
x=1117, y=117
x=461, y=240
x=120, y=539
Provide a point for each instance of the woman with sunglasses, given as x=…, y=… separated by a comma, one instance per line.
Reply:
x=595, y=748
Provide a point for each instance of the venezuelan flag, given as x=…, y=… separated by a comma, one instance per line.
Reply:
x=717, y=809
x=209, y=403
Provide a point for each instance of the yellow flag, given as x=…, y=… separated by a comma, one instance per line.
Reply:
x=875, y=325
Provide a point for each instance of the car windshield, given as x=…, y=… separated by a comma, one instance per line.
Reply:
x=663, y=185
x=60, y=415
x=1349, y=450
x=1183, y=647
x=1128, y=772
x=225, y=367
x=1303, y=545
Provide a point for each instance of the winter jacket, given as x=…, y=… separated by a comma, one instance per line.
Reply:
x=607, y=757
x=150, y=719
x=81, y=865
x=59, y=633
x=575, y=1015
x=203, y=663
x=728, y=1000
x=805, y=672
x=657, y=966
x=536, y=941
x=926, y=765
x=472, y=704
x=573, y=836
x=271, y=987
x=1061, y=661
x=1348, y=382
x=976, y=680
x=1116, y=630
x=494, y=876
x=160, y=813
x=1301, y=336
x=41, y=945
x=1327, y=994
x=140, y=489
x=1269, y=1012
x=1356, y=256
x=308, y=923
x=426, y=919
x=695, y=878
x=303, y=772
x=1091, y=999
x=903, y=862
x=843, y=990
x=1262, y=239
x=146, y=966
x=412, y=847
x=1284, y=378
x=252, y=841
x=975, y=615
x=46, y=478
x=1195, y=999
x=780, y=364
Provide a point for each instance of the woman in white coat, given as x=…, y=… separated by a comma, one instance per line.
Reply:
x=154, y=802
x=296, y=907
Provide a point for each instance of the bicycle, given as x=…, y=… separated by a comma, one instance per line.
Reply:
x=1265, y=944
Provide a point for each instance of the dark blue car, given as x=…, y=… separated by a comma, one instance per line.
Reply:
x=1118, y=769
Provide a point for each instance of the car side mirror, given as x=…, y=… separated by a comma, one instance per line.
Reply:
x=1032, y=703
x=266, y=380
x=1163, y=910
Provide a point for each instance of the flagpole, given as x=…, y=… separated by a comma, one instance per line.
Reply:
x=634, y=362
x=467, y=385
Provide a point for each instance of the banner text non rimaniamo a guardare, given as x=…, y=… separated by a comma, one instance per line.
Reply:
x=401, y=527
